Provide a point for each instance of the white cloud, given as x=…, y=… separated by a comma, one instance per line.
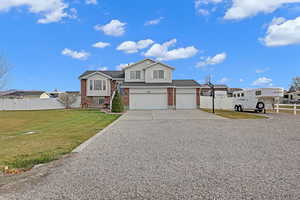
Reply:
x=113, y=28
x=260, y=71
x=241, y=80
x=154, y=21
x=199, y=6
x=82, y=55
x=94, y=2
x=224, y=80
x=51, y=10
x=121, y=66
x=262, y=81
x=162, y=52
x=103, y=68
x=134, y=47
x=203, y=11
x=101, y=45
x=282, y=32
x=217, y=59
x=246, y=8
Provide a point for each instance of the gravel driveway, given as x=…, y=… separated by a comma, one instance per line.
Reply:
x=179, y=155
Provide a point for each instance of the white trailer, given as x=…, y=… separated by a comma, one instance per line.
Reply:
x=257, y=100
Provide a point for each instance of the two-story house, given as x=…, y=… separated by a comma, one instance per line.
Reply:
x=147, y=84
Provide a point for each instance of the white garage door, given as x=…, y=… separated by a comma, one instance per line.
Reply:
x=152, y=99
x=186, y=99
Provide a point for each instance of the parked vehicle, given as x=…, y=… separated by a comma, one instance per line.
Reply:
x=257, y=100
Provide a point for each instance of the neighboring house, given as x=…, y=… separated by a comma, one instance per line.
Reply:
x=206, y=90
x=20, y=94
x=291, y=97
x=48, y=95
x=147, y=84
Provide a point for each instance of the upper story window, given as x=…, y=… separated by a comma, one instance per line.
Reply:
x=98, y=85
x=158, y=74
x=91, y=84
x=135, y=75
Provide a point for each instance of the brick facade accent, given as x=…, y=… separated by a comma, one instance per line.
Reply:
x=83, y=88
x=171, y=96
x=126, y=97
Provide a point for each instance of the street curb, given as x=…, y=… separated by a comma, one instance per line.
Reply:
x=82, y=146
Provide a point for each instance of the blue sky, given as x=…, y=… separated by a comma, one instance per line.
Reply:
x=245, y=43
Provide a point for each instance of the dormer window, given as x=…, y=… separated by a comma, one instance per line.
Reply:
x=158, y=74
x=135, y=75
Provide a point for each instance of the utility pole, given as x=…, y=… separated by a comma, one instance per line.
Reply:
x=212, y=88
x=213, y=97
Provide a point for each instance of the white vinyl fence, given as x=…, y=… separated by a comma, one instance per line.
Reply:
x=222, y=103
x=288, y=107
x=34, y=104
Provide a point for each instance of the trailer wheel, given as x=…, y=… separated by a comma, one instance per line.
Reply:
x=260, y=105
x=240, y=109
x=236, y=108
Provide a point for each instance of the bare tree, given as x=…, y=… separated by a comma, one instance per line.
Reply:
x=3, y=71
x=67, y=99
x=295, y=84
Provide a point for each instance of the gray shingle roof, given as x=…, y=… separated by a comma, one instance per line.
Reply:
x=113, y=74
x=177, y=83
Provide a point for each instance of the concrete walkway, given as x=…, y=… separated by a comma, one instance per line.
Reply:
x=177, y=155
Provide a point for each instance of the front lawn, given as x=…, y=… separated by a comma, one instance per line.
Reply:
x=235, y=115
x=32, y=137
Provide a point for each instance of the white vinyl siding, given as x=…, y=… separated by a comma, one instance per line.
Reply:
x=158, y=74
x=140, y=75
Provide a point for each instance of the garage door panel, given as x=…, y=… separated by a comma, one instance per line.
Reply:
x=152, y=100
x=186, y=99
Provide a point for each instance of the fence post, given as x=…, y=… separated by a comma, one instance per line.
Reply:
x=295, y=109
x=277, y=108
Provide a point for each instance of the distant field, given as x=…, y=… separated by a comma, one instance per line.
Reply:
x=32, y=137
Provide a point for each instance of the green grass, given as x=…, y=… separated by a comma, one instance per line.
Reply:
x=56, y=132
x=235, y=115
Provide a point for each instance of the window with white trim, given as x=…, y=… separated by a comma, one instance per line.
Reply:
x=91, y=84
x=135, y=75
x=158, y=74
x=98, y=85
